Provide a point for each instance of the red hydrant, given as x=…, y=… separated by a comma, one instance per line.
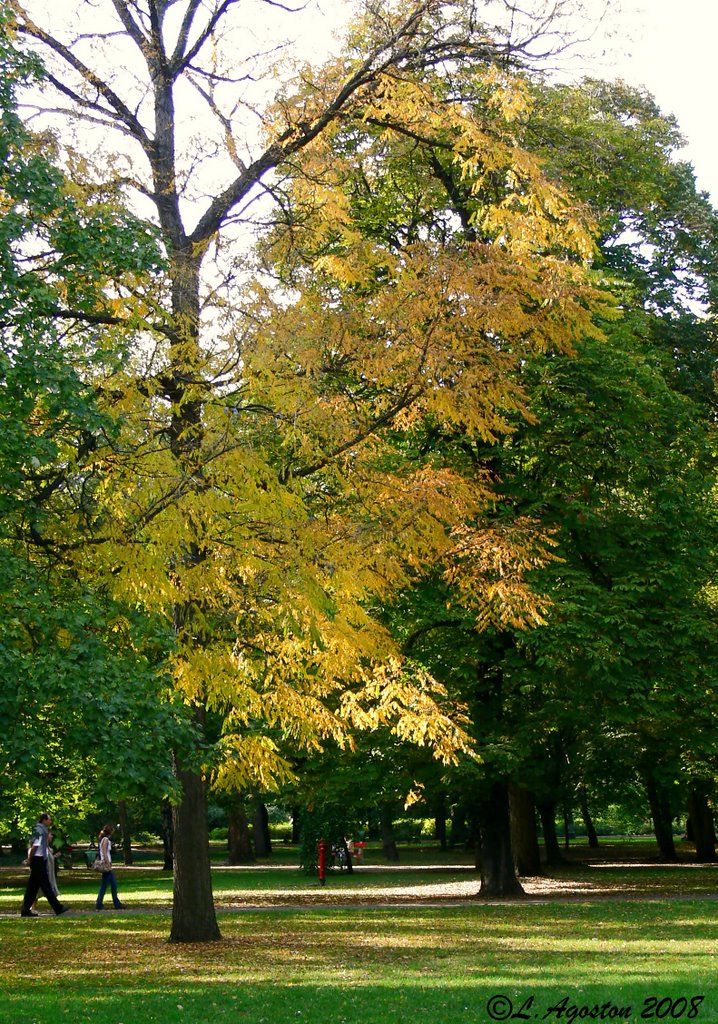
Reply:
x=322, y=862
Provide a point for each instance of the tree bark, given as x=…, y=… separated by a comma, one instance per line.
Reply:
x=388, y=842
x=193, y=914
x=662, y=819
x=240, y=842
x=167, y=836
x=260, y=829
x=702, y=826
x=547, y=812
x=524, y=837
x=567, y=826
x=459, y=826
x=498, y=875
x=125, y=829
x=440, y=823
x=587, y=819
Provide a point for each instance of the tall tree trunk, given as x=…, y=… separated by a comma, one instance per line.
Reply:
x=702, y=826
x=167, y=836
x=587, y=819
x=240, y=843
x=567, y=826
x=193, y=914
x=498, y=875
x=388, y=842
x=125, y=829
x=547, y=813
x=459, y=826
x=440, y=822
x=524, y=837
x=260, y=828
x=662, y=819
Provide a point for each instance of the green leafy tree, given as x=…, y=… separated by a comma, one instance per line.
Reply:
x=616, y=469
x=638, y=530
x=85, y=713
x=251, y=497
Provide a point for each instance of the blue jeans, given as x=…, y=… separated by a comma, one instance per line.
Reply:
x=108, y=878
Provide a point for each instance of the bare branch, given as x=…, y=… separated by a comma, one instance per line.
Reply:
x=103, y=117
x=178, y=63
x=224, y=121
x=117, y=111
x=285, y=7
x=131, y=27
x=294, y=139
x=213, y=77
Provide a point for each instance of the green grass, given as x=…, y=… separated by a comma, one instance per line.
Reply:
x=366, y=965
x=614, y=871
x=431, y=966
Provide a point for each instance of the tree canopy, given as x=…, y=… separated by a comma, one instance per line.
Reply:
x=401, y=341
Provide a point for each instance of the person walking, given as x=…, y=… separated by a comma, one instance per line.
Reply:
x=49, y=864
x=52, y=856
x=104, y=852
x=39, y=877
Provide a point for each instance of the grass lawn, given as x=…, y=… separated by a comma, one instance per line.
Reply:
x=641, y=958
x=429, y=966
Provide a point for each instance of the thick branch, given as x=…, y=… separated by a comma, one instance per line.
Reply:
x=407, y=398
x=181, y=60
x=176, y=61
x=131, y=27
x=456, y=196
x=57, y=313
x=293, y=140
x=417, y=635
x=118, y=112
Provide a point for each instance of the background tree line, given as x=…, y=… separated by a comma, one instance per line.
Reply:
x=419, y=484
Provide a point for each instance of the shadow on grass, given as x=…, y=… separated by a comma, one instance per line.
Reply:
x=367, y=967
x=362, y=1003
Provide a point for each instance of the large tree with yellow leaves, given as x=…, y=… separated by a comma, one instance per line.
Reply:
x=256, y=490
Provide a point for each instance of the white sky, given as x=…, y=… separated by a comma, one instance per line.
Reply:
x=672, y=49
x=668, y=46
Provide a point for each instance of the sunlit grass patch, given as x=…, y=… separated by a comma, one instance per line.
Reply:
x=438, y=964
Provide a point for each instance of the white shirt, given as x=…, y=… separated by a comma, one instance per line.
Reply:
x=39, y=841
x=105, y=849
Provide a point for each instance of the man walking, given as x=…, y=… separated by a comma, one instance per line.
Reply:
x=39, y=880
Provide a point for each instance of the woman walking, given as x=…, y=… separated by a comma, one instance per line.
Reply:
x=104, y=852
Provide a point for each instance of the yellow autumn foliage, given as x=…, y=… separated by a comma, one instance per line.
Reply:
x=301, y=504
